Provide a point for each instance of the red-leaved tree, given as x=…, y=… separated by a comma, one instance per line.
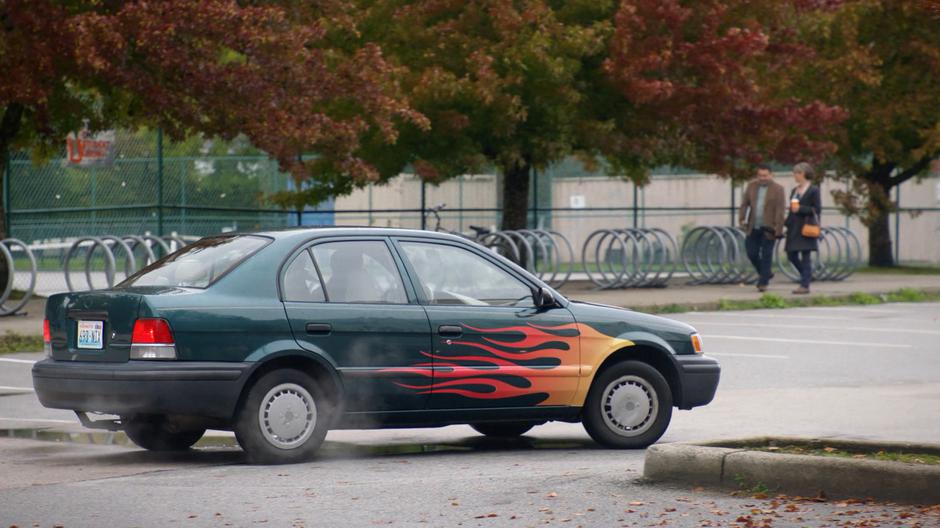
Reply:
x=706, y=84
x=218, y=67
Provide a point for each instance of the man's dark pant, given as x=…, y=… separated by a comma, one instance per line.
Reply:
x=803, y=262
x=760, y=250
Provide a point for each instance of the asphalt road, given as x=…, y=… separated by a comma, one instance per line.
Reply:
x=852, y=372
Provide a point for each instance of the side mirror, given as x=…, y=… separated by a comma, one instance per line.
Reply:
x=543, y=298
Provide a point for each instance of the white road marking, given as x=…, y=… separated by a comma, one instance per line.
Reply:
x=762, y=356
x=814, y=327
x=773, y=314
x=42, y=420
x=808, y=341
x=853, y=309
x=22, y=389
x=14, y=360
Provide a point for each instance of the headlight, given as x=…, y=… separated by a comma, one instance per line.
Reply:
x=697, y=343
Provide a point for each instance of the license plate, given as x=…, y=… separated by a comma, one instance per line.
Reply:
x=91, y=335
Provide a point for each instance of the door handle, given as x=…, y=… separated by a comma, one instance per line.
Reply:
x=449, y=330
x=318, y=328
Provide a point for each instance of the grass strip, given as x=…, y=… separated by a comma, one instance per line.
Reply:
x=826, y=451
x=774, y=301
x=12, y=343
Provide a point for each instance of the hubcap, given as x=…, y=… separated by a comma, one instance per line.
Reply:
x=288, y=416
x=629, y=406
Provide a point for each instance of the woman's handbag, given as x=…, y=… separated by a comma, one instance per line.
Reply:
x=811, y=230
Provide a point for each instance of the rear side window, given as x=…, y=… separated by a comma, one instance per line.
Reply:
x=359, y=272
x=197, y=265
x=301, y=280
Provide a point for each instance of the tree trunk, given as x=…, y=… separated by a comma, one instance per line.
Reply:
x=516, y=195
x=880, y=247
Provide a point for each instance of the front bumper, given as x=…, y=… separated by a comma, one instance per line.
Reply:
x=698, y=377
x=209, y=389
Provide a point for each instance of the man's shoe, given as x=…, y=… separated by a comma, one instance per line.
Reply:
x=761, y=288
x=801, y=291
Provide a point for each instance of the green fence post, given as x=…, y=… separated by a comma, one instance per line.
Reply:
x=535, y=199
x=732, y=203
x=7, y=217
x=635, y=205
x=424, y=205
x=160, y=182
x=897, y=226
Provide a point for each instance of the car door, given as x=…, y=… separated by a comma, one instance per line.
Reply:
x=346, y=299
x=491, y=346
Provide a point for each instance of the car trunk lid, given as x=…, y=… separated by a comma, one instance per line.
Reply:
x=92, y=326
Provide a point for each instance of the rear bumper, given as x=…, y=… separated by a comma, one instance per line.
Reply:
x=209, y=389
x=698, y=377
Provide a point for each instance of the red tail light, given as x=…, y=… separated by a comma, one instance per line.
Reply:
x=46, y=334
x=151, y=331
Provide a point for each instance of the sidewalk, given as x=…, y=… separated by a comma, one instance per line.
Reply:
x=678, y=292
x=705, y=296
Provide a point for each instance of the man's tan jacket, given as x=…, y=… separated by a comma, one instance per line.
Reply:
x=774, y=207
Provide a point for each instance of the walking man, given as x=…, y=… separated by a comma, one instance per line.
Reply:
x=761, y=217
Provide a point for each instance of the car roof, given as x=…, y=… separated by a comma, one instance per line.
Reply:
x=304, y=232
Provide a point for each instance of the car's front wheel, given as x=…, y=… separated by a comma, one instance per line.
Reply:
x=156, y=433
x=503, y=430
x=283, y=419
x=629, y=406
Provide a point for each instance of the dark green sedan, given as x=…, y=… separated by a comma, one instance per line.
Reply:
x=283, y=335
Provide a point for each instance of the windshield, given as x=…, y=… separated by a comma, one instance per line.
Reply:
x=197, y=265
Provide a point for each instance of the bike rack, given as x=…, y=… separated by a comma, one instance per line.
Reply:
x=6, y=250
x=717, y=255
x=540, y=251
x=629, y=257
x=107, y=244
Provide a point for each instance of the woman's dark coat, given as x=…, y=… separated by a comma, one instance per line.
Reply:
x=810, y=209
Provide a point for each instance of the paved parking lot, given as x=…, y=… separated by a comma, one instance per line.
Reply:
x=855, y=372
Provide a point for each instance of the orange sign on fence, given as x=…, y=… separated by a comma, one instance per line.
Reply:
x=87, y=149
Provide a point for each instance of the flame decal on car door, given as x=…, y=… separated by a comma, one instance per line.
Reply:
x=541, y=363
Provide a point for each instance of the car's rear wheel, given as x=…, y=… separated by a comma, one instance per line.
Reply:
x=156, y=433
x=283, y=419
x=629, y=406
x=503, y=430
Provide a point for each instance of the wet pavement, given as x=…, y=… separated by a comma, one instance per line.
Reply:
x=853, y=372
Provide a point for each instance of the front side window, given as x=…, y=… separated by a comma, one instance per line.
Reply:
x=452, y=275
x=359, y=272
x=199, y=264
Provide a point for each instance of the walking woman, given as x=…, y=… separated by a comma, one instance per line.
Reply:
x=805, y=208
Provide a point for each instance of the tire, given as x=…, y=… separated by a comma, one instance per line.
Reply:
x=503, y=430
x=644, y=397
x=155, y=433
x=302, y=418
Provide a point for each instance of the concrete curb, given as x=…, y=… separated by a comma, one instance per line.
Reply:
x=730, y=464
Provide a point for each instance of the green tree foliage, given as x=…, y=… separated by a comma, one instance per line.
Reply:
x=880, y=60
x=639, y=83
x=219, y=67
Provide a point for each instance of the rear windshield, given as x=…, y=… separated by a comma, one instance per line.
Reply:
x=197, y=265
